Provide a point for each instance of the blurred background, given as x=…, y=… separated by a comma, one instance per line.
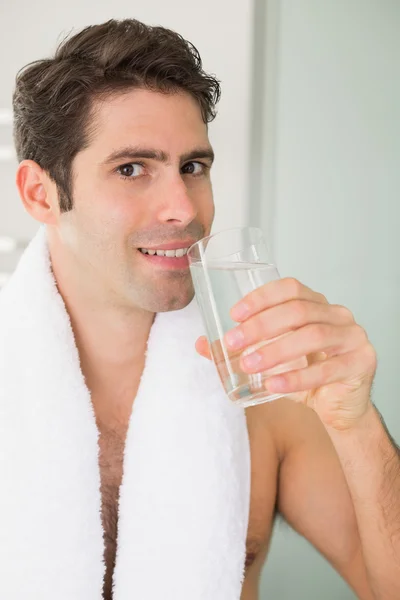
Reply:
x=308, y=147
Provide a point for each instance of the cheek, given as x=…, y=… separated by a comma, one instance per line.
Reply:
x=207, y=209
x=118, y=212
x=107, y=200
x=201, y=193
x=122, y=215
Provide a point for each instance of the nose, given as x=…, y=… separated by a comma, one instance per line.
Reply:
x=177, y=205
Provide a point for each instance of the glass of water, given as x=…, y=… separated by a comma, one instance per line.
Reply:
x=225, y=267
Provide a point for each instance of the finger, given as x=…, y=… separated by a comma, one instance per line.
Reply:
x=349, y=366
x=271, y=294
x=290, y=316
x=311, y=339
x=203, y=348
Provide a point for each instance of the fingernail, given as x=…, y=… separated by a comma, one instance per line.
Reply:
x=241, y=311
x=252, y=360
x=235, y=338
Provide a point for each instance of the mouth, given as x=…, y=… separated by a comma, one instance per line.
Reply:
x=166, y=259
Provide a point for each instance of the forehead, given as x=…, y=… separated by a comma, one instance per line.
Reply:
x=143, y=117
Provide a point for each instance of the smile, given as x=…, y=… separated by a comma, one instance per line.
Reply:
x=166, y=259
x=178, y=253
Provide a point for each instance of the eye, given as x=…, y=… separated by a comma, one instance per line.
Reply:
x=130, y=170
x=194, y=168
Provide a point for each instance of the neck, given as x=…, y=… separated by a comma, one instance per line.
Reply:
x=111, y=345
x=111, y=338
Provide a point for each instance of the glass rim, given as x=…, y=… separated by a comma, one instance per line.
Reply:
x=258, y=230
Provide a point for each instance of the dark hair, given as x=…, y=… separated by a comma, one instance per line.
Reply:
x=53, y=98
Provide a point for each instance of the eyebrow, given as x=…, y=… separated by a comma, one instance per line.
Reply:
x=134, y=152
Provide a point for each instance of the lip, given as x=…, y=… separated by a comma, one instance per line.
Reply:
x=172, y=245
x=167, y=263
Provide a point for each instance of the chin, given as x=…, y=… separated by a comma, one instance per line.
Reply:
x=176, y=302
x=165, y=300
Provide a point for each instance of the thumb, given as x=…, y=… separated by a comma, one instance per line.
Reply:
x=203, y=347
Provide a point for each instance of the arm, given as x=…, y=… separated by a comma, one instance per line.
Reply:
x=313, y=496
x=371, y=464
x=336, y=384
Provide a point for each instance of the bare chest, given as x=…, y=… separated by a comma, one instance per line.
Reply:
x=111, y=442
x=262, y=502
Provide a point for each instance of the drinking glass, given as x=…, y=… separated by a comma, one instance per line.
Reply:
x=225, y=267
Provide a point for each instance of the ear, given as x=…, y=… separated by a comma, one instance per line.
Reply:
x=38, y=192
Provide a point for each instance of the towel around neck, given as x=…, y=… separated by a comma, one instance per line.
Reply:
x=184, y=498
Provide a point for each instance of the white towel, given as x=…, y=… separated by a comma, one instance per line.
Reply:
x=184, y=498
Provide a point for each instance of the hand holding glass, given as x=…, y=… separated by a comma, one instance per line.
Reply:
x=225, y=267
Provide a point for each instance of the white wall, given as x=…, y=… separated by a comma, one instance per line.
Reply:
x=332, y=173
x=220, y=31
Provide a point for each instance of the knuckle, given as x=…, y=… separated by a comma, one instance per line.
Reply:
x=293, y=380
x=252, y=328
x=360, y=333
x=318, y=333
x=263, y=329
x=323, y=299
x=370, y=357
x=344, y=312
x=300, y=311
x=294, y=286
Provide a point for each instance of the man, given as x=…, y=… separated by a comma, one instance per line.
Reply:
x=114, y=154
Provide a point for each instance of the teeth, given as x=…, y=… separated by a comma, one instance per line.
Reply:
x=178, y=253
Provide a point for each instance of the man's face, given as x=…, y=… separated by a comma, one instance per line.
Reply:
x=143, y=182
